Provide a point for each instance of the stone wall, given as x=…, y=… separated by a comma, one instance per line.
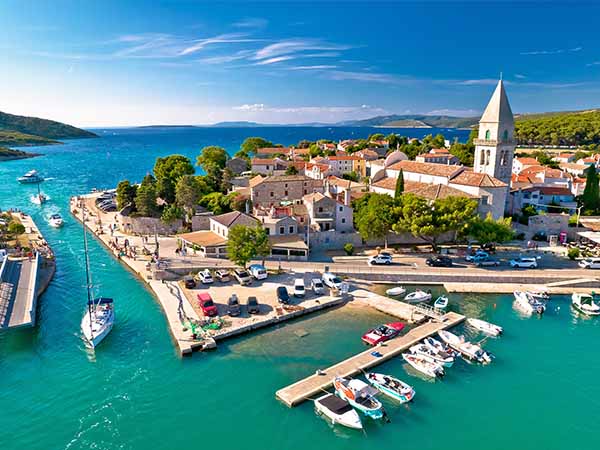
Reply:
x=147, y=225
x=201, y=222
x=332, y=240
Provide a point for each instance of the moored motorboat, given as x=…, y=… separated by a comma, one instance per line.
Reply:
x=539, y=294
x=425, y=365
x=441, y=358
x=31, y=177
x=440, y=347
x=382, y=333
x=360, y=395
x=396, y=291
x=441, y=302
x=528, y=304
x=55, y=221
x=585, y=304
x=485, y=327
x=468, y=350
x=418, y=296
x=338, y=411
x=392, y=387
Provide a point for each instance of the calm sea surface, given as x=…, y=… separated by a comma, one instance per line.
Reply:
x=542, y=392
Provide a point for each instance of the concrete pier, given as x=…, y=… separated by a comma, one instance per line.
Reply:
x=296, y=393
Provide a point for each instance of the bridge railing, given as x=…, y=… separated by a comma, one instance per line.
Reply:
x=32, y=288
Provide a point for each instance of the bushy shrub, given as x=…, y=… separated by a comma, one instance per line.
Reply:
x=573, y=253
x=349, y=248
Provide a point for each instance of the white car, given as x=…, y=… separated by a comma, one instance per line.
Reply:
x=523, y=263
x=380, y=259
x=205, y=277
x=331, y=280
x=316, y=284
x=299, y=290
x=258, y=271
x=590, y=263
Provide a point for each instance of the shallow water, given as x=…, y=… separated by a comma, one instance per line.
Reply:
x=542, y=391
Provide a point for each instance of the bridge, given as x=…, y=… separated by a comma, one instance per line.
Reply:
x=18, y=292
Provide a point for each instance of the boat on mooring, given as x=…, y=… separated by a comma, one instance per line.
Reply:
x=31, y=177
x=338, y=411
x=427, y=366
x=485, y=327
x=55, y=221
x=444, y=359
x=38, y=198
x=585, y=304
x=395, y=291
x=390, y=386
x=360, y=395
x=440, y=347
x=99, y=318
x=468, y=350
x=441, y=302
x=528, y=304
x=418, y=296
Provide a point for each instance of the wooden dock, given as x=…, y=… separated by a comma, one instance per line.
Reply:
x=296, y=393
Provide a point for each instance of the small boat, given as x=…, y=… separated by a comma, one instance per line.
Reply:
x=392, y=387
x=440, y=347
x=468, y=350
x=418, y=296
x=485, y=327
x=529, y=304
x=55, y=221
x=338, y=411
x=441, y=302
x=585, y=304
x=424, y=365
x=31, y=177
x=382, y=333
x=539, y=294
x=396, y=291
x=443, y=359
x=360, y=395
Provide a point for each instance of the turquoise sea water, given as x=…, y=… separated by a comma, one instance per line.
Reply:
x=542, y=391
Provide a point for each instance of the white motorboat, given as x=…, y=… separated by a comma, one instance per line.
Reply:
x=485, y=327
x=55, y=221
x=99, y=318
x=418, y=296
x=443, y=359
x=441, y=302
x=529, y=304
x=31, y=177
x=440, y=347
x=360, y=395
x=585, y=304
x=539, y=294
x=424, y=365
x=390, y=386
x=338, y=411
x=396, y=291
x=467, y=349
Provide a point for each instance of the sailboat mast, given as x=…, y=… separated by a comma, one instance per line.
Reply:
x=88, y=280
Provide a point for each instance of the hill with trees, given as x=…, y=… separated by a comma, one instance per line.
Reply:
x=41, y=128
x=581, y=128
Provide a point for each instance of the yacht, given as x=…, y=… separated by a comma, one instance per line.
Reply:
x=585, y=304
x=338, y=411
x=31, y=177
x=55, y=221
x=528, y=304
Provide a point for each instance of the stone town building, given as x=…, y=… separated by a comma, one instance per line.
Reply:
x=327, y=213
x=273, y=191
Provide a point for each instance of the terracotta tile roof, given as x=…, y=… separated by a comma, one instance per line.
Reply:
x=435, y=191
x=285, y=178
x=267, y=161
x=348, y=184
x=527, y=161
x=388, y=183
x=272, y=150
x=549, y=190
x=256, y=180
x=470, y=178
x=368, y=154
x=321, y=167
x=315, y=196
x=548, y=172
x=235, y=218
x=440, y=170
x=573, y=166
x=344, y=158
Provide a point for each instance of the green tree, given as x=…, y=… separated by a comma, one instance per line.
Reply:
x=376, y=137
x=187, y=194
x=145, y=198
x=246, y=243
x=393, y=140
x=126, y=194
x=429, y=221
x=291, y=170
x=16, y=228
x=212, y=159
x=250, y=145
x=226, y=177
x=375, y=216
x=590, y=199
x=217, y=202
x=399, y=185
x=167, y=171
x=352, y=176
x=171, y=213
x=465, y=152
x=490, y=230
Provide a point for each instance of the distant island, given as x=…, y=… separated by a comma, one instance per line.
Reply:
x=22, y=131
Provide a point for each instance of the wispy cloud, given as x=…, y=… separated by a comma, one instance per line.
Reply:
x=251, y=22
x=291, y=46
x=200, y=44
x=493, y=81
x=277, y=59
x=343, y=75
x=250, y=107
x=520, y=76
x=454, y=112
x=315, y=67
x=261, y=107
x=223, y=59
x=552, y=52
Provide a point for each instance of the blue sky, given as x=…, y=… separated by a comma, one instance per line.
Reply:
x=188, y=62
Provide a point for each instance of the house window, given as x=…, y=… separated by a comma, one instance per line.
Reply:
x=482, y=158
x=281, y=230
x=271, y=194
x=343, y=220
x=267, y=167
x=301, y=219
x=484, y=200
x=285, y=185
x=305, y=192
x=505, y=135
x=341, y=208
x=487, y=135
x=285, y=193
x=327, y=226
x=291, y=230
x=267, y=230
x=320, y=209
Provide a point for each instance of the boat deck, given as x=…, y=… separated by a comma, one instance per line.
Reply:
x=296, y=393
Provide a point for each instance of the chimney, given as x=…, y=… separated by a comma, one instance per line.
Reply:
x=347, y=197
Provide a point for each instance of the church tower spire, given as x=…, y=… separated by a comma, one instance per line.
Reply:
x=494, y=146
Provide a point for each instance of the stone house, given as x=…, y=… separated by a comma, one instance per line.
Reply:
x=237, y=165
x=275, y=190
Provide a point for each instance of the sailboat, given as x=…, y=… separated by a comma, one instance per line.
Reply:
x=99, y=317
x=40, y=197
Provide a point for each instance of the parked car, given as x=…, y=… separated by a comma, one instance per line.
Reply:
x=483, y=261
x=331, y=280
x=439, y=261
x=258, y=271
x=242, y=276
x=380, y=259
x=189, y=282
x=207, y=305
x=588, y=263
x=489, y=247
x=316, y=284
x=282, y=295
x=222, y=275
x=477, y=253
x=205, y=277
x=252, y=305
x=299, y=290
x=523, y=263
x=233, y=306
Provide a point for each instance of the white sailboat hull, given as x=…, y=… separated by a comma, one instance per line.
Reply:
x=95, y=327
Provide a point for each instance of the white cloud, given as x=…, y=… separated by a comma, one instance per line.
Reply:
x=250, y=107
x=315, y=67
x=520, y=76
x=342, y=75
x=595, y=63
x=552, y=52
x=277, y=59
x=251, y=22
x=290, y=46
x=221, y=39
